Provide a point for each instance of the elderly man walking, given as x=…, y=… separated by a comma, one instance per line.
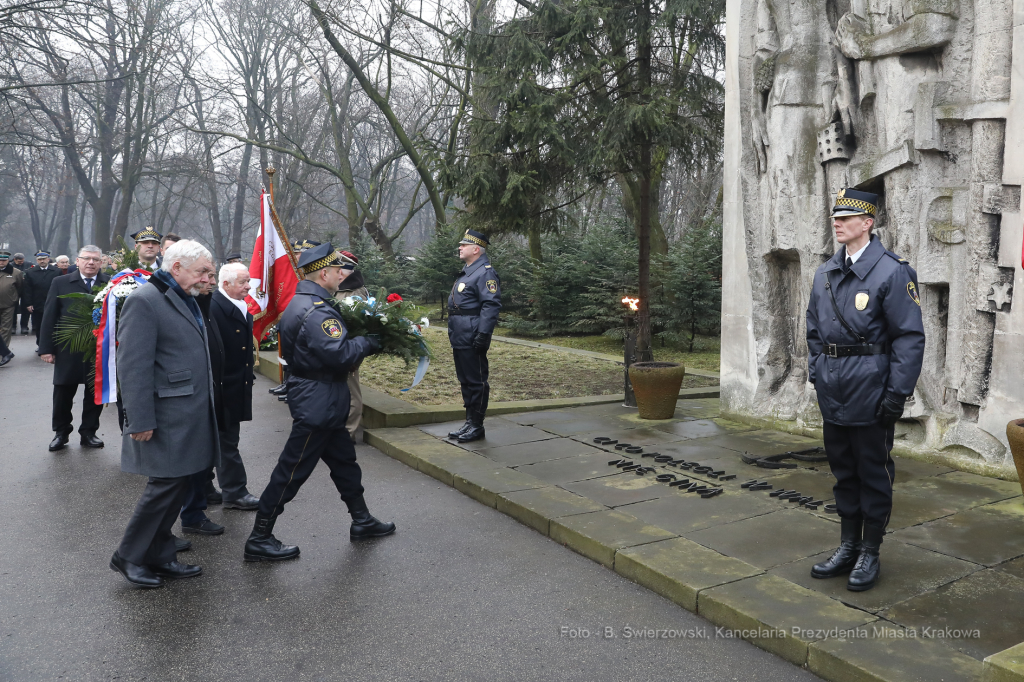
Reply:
x=170, y=431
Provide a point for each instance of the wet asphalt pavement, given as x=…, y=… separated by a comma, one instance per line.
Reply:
x=460, y=592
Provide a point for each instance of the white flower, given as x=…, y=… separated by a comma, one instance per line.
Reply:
x=424, y=321
x=383, y=319
x=350, y=301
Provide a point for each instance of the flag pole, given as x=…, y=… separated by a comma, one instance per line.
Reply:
x=270, y=174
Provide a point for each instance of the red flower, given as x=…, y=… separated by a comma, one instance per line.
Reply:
x=394, y=297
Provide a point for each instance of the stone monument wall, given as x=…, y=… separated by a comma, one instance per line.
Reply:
x=922, y=102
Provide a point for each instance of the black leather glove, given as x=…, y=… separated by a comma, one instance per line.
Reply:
x=481, y=342
x=890, y=409
x=374, y=340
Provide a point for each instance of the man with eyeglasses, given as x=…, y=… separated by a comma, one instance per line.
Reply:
x=71, y=369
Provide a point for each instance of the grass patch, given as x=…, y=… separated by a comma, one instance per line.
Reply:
x=517, y=373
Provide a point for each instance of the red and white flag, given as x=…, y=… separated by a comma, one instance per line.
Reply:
x=271, y=272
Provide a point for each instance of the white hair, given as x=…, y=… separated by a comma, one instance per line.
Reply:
x=231, y=271
x=64, y=257
x=185, y=252
x=90, y=248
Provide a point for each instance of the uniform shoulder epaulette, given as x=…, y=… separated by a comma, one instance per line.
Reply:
x=896, y=258
x=487, y=267
x=318, y=302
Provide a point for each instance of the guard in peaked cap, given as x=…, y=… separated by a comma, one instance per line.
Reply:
x=854, y=202
x=474, y=237
x=147, y=235
x=473, y=307
x=320, y=353
x=865, y=342
x=41, y=254
x=304, y=244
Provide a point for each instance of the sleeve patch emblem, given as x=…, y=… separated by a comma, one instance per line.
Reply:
x=492, y=286
x=332, y=328
x=912, y=290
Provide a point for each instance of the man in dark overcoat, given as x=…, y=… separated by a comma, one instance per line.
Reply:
x=37, y=287
x=170, y=430
x=71, y=370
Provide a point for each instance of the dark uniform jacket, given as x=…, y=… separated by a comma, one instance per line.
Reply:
x=880, y=301
x=477, y=289
x=12, y=280
x=215, y=345
x=235, y=333
x=37, y=285
x=69, y=368
x=319, y=352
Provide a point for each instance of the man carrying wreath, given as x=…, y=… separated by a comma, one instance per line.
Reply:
x=320, y=353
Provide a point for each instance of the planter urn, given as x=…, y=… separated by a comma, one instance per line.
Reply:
x=1015, y=435
x=656, y=386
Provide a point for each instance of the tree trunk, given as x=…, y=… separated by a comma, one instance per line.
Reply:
x=69, y=199
x=243, y=179
x=643, y=317
x=533, y=233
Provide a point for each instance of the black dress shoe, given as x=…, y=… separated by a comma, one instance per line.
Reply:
x=5, y=359
x=282, y=398
x=865, y=573
x=263, y=546
x=173, y=570
x=135, y=574
x=247, y=502
x=843, y=559
x=91, y=441
x=181, y=544
x=206, y=527
x=475, y=432
x=58, y=442
x=213, y=496
x=280, y=389
x=461, y=430
x=364, y=526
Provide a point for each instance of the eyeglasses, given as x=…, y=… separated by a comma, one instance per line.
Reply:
x=90, y=260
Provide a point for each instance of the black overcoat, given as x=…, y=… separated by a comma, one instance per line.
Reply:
x=237, y=376
x=69, y=369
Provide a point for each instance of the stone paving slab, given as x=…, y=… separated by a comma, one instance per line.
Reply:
x=680, y=569
x=986, y=604
x=743, y=558
x=771, y=608
x=599, y=535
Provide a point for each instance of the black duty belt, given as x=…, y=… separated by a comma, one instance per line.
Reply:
x=453, y=312
x=326, y=377
x=835, y=351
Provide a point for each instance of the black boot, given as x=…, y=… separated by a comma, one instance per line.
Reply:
x=280, y=389
x=364, y=525
x=844, y=558
x=462, y=429
x=475, y=430
x=869, y=566
x=263, y=546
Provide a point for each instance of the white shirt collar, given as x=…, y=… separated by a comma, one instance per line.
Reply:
x=242, y=307
x=854, y=256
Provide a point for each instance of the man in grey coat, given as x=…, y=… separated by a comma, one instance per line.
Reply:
x=170, y=430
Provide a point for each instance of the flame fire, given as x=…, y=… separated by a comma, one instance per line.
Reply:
x=631, y=302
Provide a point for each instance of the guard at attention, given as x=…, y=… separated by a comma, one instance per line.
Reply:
x=865, y=342
x=472, y=315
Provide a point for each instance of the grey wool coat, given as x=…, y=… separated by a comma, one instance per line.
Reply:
x=163, y=368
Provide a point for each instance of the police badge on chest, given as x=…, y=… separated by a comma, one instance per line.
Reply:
x=861, y=300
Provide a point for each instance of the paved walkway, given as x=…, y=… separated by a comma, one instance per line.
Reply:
x=460, y=592
x=952, y=586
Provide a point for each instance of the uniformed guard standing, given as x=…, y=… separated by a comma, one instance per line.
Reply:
x=865, y=341
x=472, y=315
x=320, y=353
x=147, y=244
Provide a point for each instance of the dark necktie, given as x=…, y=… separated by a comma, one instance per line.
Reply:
x=88, y=281
x=849, y=264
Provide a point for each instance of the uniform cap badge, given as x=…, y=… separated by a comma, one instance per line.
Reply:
x=912, y=290
x=332, y=328
x=462, y=286
x=861, y=301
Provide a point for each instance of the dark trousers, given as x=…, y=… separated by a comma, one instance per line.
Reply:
x=25, y=316
x=37, y=322
x=148, y=539
x=64, y=399
x=4, y=349
x=472, y=370
x=231, y=472
x=193, y=508
x=305, y=447
x=864, y=471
